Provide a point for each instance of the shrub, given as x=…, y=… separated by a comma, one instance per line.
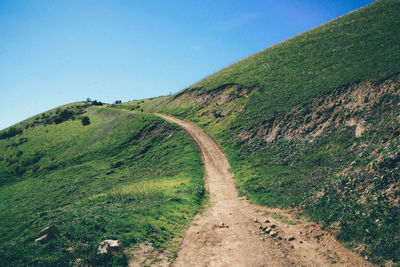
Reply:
x=96, y=103
x=85, y=120
x=12, y=131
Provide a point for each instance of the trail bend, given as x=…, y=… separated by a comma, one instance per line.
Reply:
x=241, y=240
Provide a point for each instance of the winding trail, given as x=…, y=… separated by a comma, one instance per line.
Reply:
x=241, y=240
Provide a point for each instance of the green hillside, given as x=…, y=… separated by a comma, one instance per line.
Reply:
x=123, y=176
x=313, y=123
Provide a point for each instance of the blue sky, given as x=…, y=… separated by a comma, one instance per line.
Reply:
x=56, y=52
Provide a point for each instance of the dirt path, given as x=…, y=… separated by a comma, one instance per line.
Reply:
x=230, y=232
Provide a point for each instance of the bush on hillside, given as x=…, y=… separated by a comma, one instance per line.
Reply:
x=96, y=103
x=12, y=131
x=85, y=120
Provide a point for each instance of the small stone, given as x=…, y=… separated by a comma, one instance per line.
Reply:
x=256, y=220
x=43, y=239
x=280, y=238
x=50, y=231
x=292, y=247
x=292, y=238
x=272, y=226
x=301, y=242
x=266, y=230
x=267, y=221
x=273, y=233
x=78, y=262
x=110, y=247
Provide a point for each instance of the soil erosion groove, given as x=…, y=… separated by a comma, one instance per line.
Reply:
x=233, y=232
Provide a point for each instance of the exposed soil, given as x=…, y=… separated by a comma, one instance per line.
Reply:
x=234, y=232
x=342, y=107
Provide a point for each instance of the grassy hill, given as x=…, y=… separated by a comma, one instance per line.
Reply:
x=313, y=123
x=124, y=176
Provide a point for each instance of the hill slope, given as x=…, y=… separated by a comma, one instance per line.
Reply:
x=313, y=123
x=123, y=176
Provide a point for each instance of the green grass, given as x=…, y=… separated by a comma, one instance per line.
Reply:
x=356, y=50
x=126, y=176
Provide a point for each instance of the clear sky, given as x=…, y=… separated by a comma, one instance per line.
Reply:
x=53, y=52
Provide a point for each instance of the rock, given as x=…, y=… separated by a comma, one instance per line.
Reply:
x=43, y=239
x=266, y=230
x=292, y=238
x=46, y=234
x=256, y=220
x=318, y=236
x=110, y=247
x=267, y=221
x=50, y=231
x=272, y=226
x=273, y=233
x=280, y=238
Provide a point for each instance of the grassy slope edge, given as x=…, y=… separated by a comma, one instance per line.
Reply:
x=126, y=176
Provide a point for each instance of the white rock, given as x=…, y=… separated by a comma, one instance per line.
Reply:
x=110, y=247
